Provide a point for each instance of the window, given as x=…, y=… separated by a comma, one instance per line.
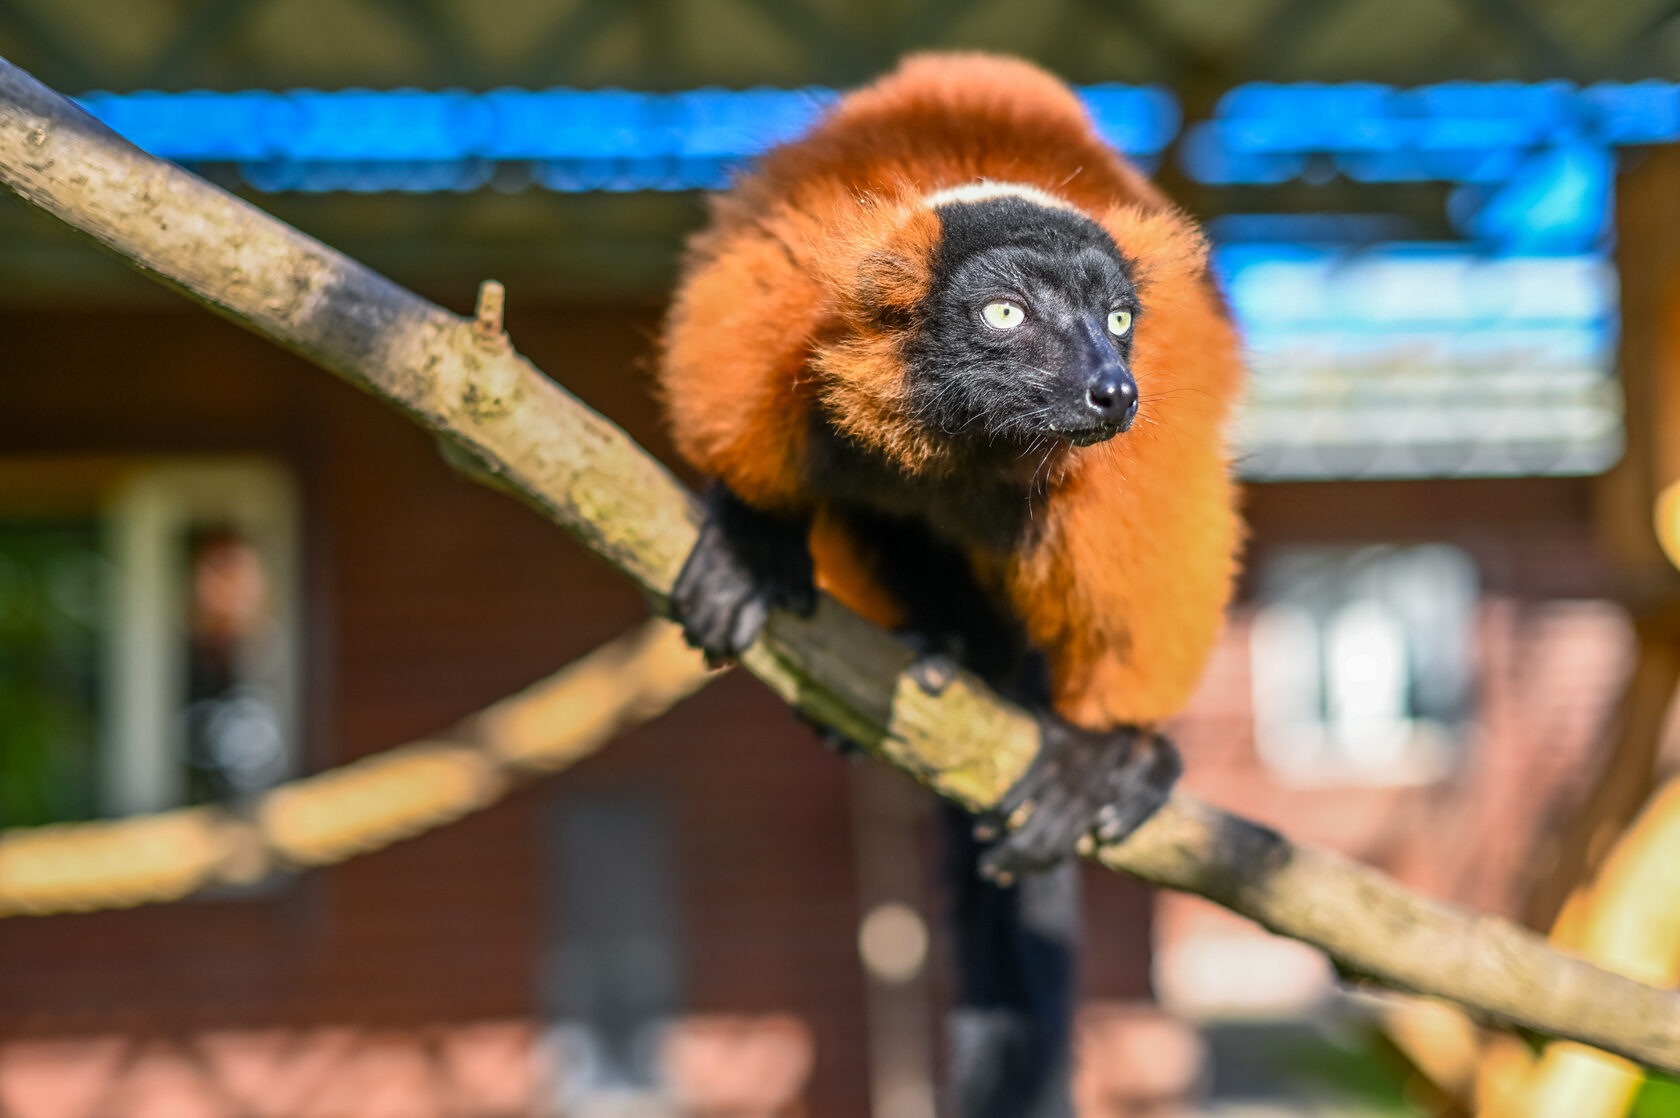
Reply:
x=1361, y=662
x=148, y=653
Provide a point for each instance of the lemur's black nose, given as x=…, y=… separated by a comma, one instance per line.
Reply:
x=1113, y=398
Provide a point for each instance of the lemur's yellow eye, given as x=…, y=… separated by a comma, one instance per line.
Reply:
x=1119, y=322
x=1004, y=315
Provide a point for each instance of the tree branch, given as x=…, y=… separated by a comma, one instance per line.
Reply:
x=538, y=442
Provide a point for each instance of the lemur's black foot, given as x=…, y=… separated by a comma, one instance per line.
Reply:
x=745, y=563
x=1083, y=782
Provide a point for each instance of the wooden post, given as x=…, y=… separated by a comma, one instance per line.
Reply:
x=1640, y=504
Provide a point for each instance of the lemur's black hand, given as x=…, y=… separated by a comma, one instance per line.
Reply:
x=745, y=563
x=1083, y=782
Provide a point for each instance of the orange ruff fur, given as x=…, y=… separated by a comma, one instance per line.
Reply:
x=1125, y=586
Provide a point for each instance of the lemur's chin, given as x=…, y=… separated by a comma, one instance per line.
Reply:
x=1091, y=436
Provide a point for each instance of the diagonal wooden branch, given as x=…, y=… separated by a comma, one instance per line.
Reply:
x=535, y=440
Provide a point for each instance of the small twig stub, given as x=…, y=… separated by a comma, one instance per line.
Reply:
x=488, y=315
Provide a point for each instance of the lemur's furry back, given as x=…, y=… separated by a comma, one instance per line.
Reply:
x=802, y=293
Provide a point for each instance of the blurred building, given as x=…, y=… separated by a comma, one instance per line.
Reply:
x=219, y=568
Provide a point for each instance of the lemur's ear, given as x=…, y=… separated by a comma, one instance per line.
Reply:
x=892, y=263
x=1169, y=251
x=891, y=286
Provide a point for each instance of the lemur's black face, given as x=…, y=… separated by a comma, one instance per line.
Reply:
x=1026, y=332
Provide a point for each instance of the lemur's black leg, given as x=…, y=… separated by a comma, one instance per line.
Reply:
x=1103, y=783
x=1010, y=1020
x=745, y=563
x=1012, y=1008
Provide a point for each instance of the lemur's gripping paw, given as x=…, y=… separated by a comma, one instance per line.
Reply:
x=745, y=563
x=1083, y=782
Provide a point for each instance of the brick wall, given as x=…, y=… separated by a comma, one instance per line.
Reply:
x=428, y=597
x=412, y=973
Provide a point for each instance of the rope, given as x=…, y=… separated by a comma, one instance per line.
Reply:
x=355, y=808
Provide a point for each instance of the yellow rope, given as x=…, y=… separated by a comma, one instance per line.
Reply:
x=355, y=808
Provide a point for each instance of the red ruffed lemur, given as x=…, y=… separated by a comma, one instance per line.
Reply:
x=954, y=361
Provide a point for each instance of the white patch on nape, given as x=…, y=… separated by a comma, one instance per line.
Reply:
x=986, y=190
